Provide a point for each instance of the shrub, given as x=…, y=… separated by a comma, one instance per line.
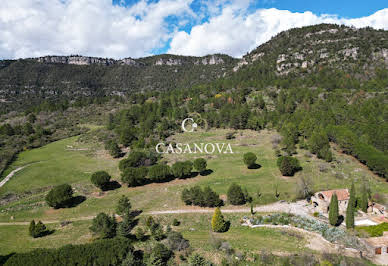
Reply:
x=59, y=196
x=182, y=169
x=113, y=148
x=104, y=225
x=236, y=195
x=159, y=172
x=100, y=179
x=200, y=165
x=175, y=222
x=134, y=176
x=175, y=241
x=218, y=223
x=136, y=159
x=198, y=260
x=250, y=159
x=288, y=165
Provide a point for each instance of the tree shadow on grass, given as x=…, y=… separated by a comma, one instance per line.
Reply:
x=206, y=172
x=3, y=259
x=47, y=233
x=74, y=201
x=255, y=166
x=112, y=185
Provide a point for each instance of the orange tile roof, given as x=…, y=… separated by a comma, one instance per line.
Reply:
x=342, y=194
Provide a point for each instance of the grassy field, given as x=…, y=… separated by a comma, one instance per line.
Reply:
x=195, y=228
x=59, y=162
x=73, y=162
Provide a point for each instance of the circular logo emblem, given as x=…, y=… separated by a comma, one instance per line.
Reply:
x=194, y=122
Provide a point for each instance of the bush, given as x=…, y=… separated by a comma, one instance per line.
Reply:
x=182, y=169
x=288, y=165
x=104, y=225
x=101, y=252
x=37, y=230
x=137, y=159
x=250, y=159
x=175, y=222
x=236, y=195
x=198, y=260
x=113, y=148
x=159, y=172
x=134, y=176
x=59, y=196
x=200, y=165
x=100, y=179
x=175, y=241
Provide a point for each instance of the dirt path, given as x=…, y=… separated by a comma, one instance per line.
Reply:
x=296, y=208
x=8, y=177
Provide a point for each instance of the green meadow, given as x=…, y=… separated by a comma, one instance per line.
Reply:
x=73, y=161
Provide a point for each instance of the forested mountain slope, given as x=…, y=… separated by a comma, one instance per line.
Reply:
x=326, y=55
x=73, y=77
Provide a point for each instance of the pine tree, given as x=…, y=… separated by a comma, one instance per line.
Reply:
x=350, y=209
x=218, y=222
x=126, y=226
x=31, y=229
x=364, y=199
x=333, y=210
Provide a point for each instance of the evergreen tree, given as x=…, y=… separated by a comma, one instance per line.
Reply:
x=59, y=196
x=250, y=159
x=104, y=225
x=126, y=226
x=350, y=209
x=123, y=206
x=31, y=229
x=37, y=229
x=236, y=195
x=333, y=210
x=218, y=223
x=200, y=165
x=100, y=179
x=364, y=199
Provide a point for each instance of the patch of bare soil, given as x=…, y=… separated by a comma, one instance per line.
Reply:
x=98, y=194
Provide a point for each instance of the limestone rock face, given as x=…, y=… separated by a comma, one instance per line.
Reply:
x=85, y=60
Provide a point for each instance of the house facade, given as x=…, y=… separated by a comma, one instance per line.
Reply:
x=321, y=200
x=379, y=248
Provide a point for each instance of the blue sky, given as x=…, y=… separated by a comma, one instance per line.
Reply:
x=137, y=28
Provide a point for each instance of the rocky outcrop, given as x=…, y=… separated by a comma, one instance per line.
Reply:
x=85, y=60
